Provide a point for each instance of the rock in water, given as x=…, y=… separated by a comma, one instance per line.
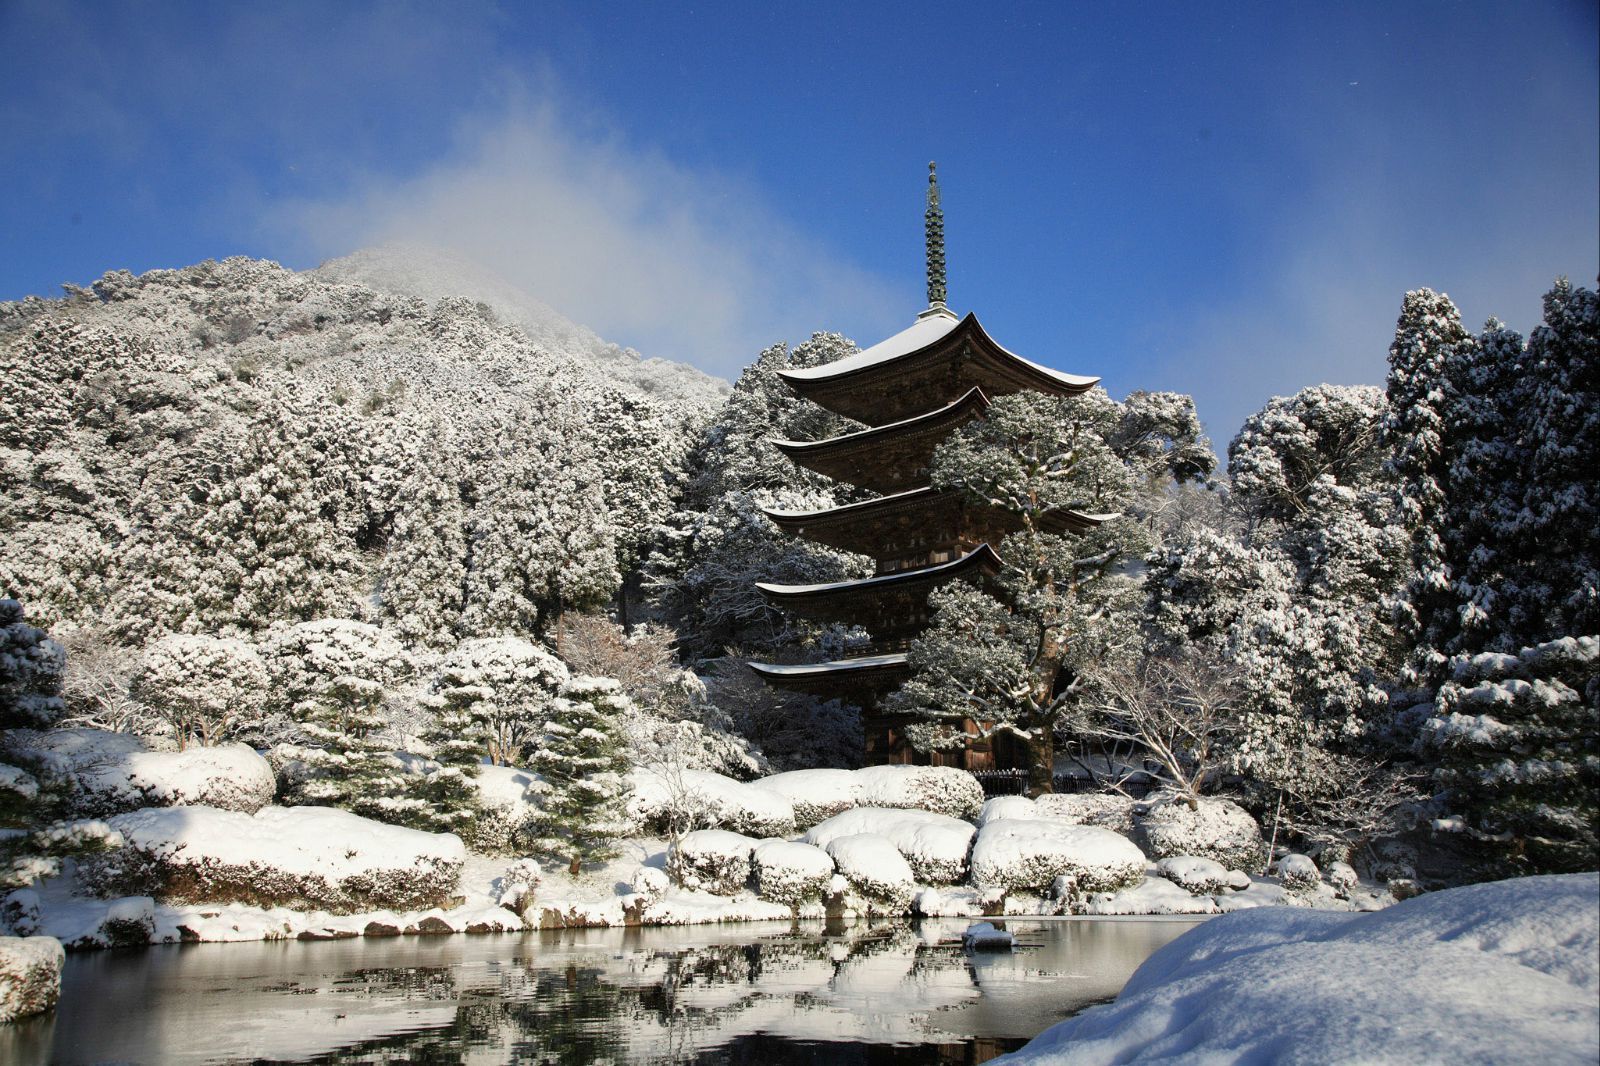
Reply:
x=983, y=936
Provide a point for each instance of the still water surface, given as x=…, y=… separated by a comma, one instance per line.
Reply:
x=743, y=994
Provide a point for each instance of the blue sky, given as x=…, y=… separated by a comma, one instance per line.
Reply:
x=1226, y=199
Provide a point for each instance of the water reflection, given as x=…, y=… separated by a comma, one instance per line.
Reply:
x=732, y=994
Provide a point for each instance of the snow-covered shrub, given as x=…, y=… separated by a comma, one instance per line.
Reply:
x=941, y=789
x=711, y=860
x=506, y=804
x=1019, y=854
x=1298, y=873
x=128, y=923
x=502, y=689
x=30, y=975
x=816, y=795
x=305, y=857
x=203, y=687
x=788, y=872
x=664, y=797
x=101, y=773
x=1219, y=829
x=1107, y=810
x=874, y=867
x=1203, y=877
x=650, y=883
x=1002, y=807
x=519, y=885
x=31, y=666
x=935, y=845
x=1341, y=876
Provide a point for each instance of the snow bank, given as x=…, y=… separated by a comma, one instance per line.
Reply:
x=30, y=975
x=935, y=845
x=702, y=798
x=1017, y=853
x=305, y=857
x=110, y=773
x=1154, y=895
x=815, y=795
x=711, y=860
x=787, y=872
x=940, y=789
x=874, y=867
x=1220, y=829
x=1089, y=808
x=1503, y=972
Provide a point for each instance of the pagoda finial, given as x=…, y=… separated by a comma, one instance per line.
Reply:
x=933, y=222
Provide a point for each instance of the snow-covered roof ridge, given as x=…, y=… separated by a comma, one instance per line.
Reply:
x=976, y=557
x=864, y=662
x=846, y=508
x=930, y=328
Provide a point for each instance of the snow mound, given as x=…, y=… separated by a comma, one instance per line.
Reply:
x=302, y=857
x=702, y=798
x=1089, y=808
x=1192, y=874
x=1017, y=853
x=110, y=773
x=815, y=795
x=30, y=975
x=1502, y=972
x=1298, y=873
x=711, y=860
x=1154, y=895
x=1220, y=829
x=874, y=867
x=935, y=845
x=940, y=789
x=788, y=872
x=1002, y=807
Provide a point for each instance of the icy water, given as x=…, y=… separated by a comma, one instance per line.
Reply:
x=762, y=994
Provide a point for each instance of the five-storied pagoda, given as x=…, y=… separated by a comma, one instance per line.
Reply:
x=912, y=390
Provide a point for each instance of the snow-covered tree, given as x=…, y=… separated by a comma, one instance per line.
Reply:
x=203, y=688
x=582, y=758
x=424, y=571
x=31, y=667
x=495, y=694
x=1518, y=739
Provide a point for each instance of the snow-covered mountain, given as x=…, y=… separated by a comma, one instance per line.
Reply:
x=434, y=273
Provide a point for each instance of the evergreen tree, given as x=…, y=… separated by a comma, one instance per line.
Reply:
x=582, y=758
x=1518, y=738
x=201, y=686
x=424, y=571
x=1428, y=339
x=496, y=692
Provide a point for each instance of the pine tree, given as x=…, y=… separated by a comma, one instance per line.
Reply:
x=424, y=570
x=582, y=758
x=202, y=686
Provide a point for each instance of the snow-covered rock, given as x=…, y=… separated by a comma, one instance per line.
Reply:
x=1502, y=972
x=711, y=860
x=940, y=789
x=1106, y=810
x=790, y=872
x=1016, y=853
x=1218, y=829
x=815, y=795
x=708, y=800
x=1341, y=876
x=1153, y=895
x=518, y=887
x=1193, y=874
x=935, y=845
x=306, y=857
x=110, y=773
x=874, y=867
x=1002, y=807
x=30, y=975
x=983, y=936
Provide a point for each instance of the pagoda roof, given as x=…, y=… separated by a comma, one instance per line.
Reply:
x=861, y=601
x=922, y=366
x=890, y=457
x=866, y=673
x=862, y=527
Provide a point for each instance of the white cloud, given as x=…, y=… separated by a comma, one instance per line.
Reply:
x=678, y=263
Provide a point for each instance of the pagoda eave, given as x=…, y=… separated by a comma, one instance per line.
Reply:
x=862, y=676
x=867, y=601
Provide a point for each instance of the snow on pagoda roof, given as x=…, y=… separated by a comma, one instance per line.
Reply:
x=931, y=326
x=973, y=395
x=797, y=670
x=976, y=557
x=846, y=508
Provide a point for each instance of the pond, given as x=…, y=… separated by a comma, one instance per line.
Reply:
x=761, y=993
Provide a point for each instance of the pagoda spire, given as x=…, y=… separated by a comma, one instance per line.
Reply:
x=933, y=223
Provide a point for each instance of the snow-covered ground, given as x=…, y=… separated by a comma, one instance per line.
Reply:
x=1495, y=973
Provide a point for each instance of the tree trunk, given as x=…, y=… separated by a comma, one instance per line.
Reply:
x=1042, y=763
x=574, y=866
